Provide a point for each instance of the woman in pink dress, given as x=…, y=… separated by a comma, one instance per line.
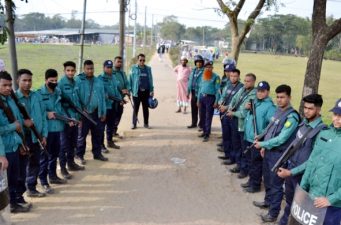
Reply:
x=182, y=75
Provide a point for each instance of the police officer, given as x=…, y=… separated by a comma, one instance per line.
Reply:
x=141, y=87
x=229, y=91
x=122, y=85
x=32, y=101
x=308, y=129
x=91, y=95
x=228, y=67
x=208, y=97
x=264, y=110
x=68, y=137
x=111, y=90
x=193, y=89
x=238, y=109
x=277, y=138
x=51, y=96
x=16, y=159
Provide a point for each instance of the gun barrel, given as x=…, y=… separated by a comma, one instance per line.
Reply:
x=66, y=119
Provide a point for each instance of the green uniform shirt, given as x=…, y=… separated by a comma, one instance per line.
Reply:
x=68, y=90
x=300, y=169
x=242, y=97
x=322, y=174
x=121, y=79
x=289, y=127
x=194, y=80
x=52, y=103
x=11, y=139
x=134, y=78
x=2, y=148
x=36, y=109
x=210, y=87
x=91, y=99
x=110, y=88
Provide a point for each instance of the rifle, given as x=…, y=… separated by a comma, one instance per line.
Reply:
x=11, y=118
x=26, y=116
x=290, y=151
x=115, y=99
x=66, y=119
x=79, y=110
x=254, y=121
x=133, y=106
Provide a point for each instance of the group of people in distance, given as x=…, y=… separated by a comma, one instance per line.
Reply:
x=256, y=133
x=39, y=127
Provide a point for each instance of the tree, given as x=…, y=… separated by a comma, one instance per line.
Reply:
x=322, y=33
x=238, y=35
x=171, y=29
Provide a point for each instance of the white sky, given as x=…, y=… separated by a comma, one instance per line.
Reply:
x=189, y=12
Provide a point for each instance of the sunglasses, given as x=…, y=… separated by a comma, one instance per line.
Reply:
x=142, y=60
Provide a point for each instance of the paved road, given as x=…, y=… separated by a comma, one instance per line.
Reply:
x=143, y=183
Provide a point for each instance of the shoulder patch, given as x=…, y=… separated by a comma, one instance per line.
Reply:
x=287, y=124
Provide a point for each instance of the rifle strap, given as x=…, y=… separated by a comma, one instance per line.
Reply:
x=91, y=91
x=242, y=97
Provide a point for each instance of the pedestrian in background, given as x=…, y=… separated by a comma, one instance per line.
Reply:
x=182, y=76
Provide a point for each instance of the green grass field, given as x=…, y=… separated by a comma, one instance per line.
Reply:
x=38, y=58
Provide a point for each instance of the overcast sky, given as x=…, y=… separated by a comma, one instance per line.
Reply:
x=189, y=12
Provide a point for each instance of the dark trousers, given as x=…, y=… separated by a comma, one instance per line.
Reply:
x=111, y=120
x=227, y=135
x=97, y=133
x=195, y=110
x=68, y=144
x=290, y=186
x=256, y=168
x=142, y=97
x=333, y=216
x=118, y=116
x=12, y=175
x=246, y=158
x=206, y=112
x=33, y=164
x=21, y=188
x=48, y=161
x=273, y=183
x=236, y=142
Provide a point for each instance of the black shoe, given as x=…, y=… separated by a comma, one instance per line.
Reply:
x=206, y=137
x=146, y=126
x=235, y=170
x=220, y=144
x=47, y=189
x=191, y=126
x=100, y=158
x=133, y=126
x=201, y=135
x=228, y=162
x=65, y=173
x=245, y=185
x=242, y=175
x=220, y=149
x=223, y=157
x=35, y=194
x=268, y=219
x=21, y=201
x=111, y=144
x=200, y=129
x=16, y=208
x=57, y=180
x=104, y=149
x=251, y=190
x=74, y=167
x=81, y=160
x=261, y=205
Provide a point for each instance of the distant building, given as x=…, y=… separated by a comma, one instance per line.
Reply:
x=94, y=36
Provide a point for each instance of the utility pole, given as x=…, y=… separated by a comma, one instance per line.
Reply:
x=203, y=36
x=11, y=40
x=151, y=32
x=134, y=43
x=81, y=52
x=122, y=26
x=144, y=30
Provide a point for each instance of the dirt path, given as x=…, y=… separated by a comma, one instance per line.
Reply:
x=141, y=184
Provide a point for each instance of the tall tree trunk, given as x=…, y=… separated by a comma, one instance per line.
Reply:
x=11, y=40
x=236, y=46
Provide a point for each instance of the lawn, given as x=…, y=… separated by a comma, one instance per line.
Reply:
x=38, y=58
x=290, y=70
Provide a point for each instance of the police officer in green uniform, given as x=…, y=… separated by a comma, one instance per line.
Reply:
x=32, y=101
x=122, y=86
x=68, y=137
x=111, y=90
x=208, y=97
x=278, y=136
x=321, y=178
x=91, y=95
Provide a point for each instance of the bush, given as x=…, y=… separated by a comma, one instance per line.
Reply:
x=334, y=54
x=174, y=54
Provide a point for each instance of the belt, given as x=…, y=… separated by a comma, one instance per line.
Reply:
x=207, y=95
